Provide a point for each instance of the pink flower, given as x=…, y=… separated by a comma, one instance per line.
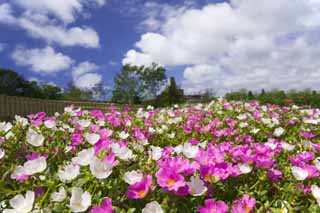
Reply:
x=307, y=135
x=76, y=138
x=274, y=175
x=212, y=206
x=105, y=207
x=243, y=205
x=140, y=189
x=170, y=179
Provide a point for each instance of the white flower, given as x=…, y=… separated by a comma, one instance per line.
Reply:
x=243, y=124
x=171, y=135
x=100, y=169
x=189, y=150
x=34, y=138
x=203, y=144
x=2, y=153
x=123, y=153
x=245, y=168
x=59, y=196
x=69, y=172
x=21, y=204
x=101, y=122
x=156, y=152
x=299, y=173
x=80, y=201
x=255, y=130
x=287, y=146
x=84, y=123
x=315, y=190
x=5, y=126
x=151, y=130
x=241, y=116
x=17, y=172
x=84, y=157
x=9, y=135
x=92, y=138
x=178, y=149
x=68, y=109
x=278, y=131
x=50, y=123
x=132, y=177
x=196, y=186
x=152, y=207
x=35, y=166
x=123, y=135
x=317, y=163
x=23, y=121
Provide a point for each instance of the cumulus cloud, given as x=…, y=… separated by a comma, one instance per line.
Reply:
x=240, y=44
x=65, y=10
x=85, y=76
x=45, y=60
x=40, y=25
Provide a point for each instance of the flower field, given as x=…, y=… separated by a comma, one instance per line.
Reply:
x=222, y=157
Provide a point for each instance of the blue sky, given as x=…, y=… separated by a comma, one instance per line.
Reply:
x=223, y=45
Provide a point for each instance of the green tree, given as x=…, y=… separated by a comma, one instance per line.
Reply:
x=75, y=94
x=126, y=86
x=172, y=94
x=11, y=83
x=152, y=79
x=51, y=92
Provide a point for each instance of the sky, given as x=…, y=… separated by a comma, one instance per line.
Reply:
x=204, y=44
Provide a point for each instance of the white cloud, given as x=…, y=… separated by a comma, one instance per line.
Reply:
x=62, y=9
x=85, y=76
x=44, y=60
x=39, y=25
x=244, y=43
x=65, y=10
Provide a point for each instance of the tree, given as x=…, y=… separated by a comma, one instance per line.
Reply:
x=126, y=86
x=172, y=94
x=51, y=92
x=152, y=78
x=11, y=83
x=75, y=94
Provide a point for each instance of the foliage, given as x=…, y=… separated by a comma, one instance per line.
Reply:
x=126, y=86
x=224, y=157
x=172, y=94
x=13, y=84
x=279, y=97
x=136, y=84
x=152, y=78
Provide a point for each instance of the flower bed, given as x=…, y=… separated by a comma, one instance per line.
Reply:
x=224, y=157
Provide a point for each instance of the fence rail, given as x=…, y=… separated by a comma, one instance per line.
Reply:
x=12, y=105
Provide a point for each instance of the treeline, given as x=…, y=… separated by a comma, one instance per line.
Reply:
x=305, y=97
x=13, y=84
x=146, y=85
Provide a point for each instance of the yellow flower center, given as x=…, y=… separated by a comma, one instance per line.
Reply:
x=207, y=178
x=142, y=193
x=170, y=182
x=248, y=209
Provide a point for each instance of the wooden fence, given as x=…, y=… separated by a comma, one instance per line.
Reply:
x=12, y=105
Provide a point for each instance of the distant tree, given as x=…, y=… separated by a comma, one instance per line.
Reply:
x=172, y=94
x=152, y=79
x=11, y=83
x=208, y=95
x=51, y=92
x=250, y=95
x=75, y=94
x=126, y=86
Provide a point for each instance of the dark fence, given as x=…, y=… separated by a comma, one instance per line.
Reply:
x=12, y=105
